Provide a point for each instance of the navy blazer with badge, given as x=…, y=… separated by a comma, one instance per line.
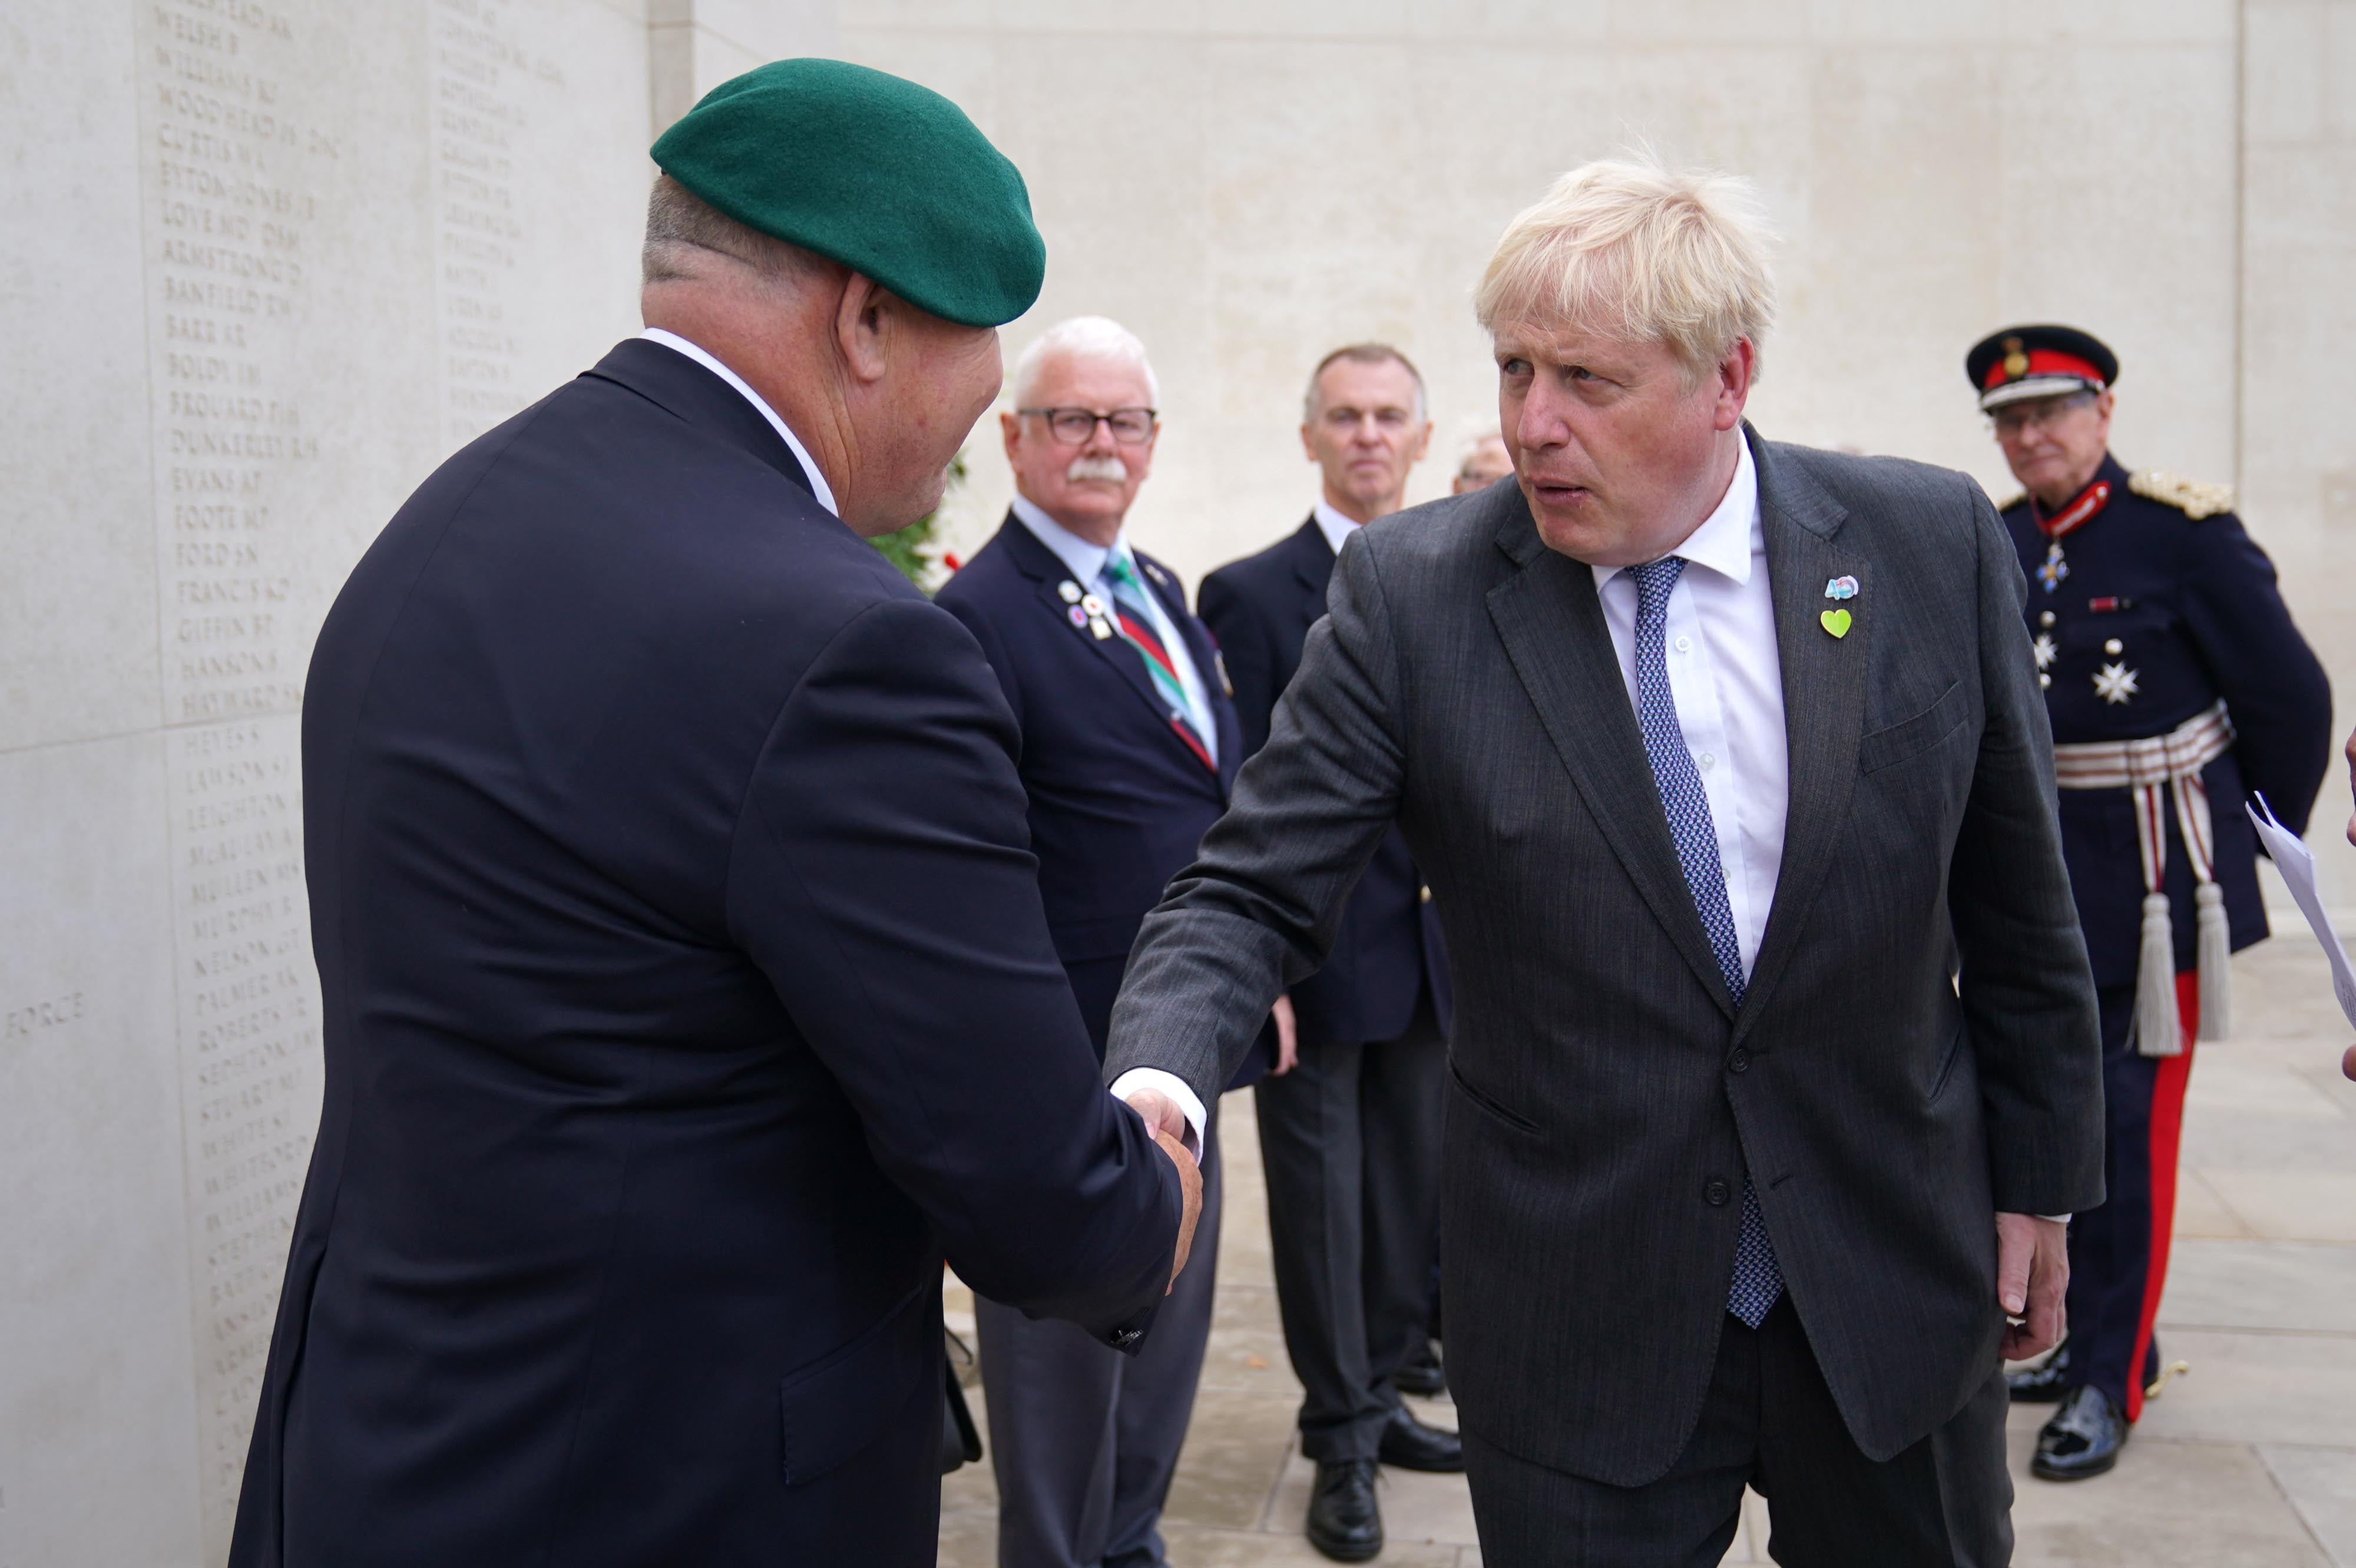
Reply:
x=687, y=996
x=1118, y=801
x=1389, y=949
x=2192, y=605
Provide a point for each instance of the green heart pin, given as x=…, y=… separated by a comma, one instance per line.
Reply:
x=1838, y=622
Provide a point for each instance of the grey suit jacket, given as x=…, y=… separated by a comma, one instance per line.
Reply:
x=1917, y=1044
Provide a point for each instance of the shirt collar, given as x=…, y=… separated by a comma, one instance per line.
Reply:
x=819, y=488
x=1084, y=559
x=1336, y=528
x=1729, y=538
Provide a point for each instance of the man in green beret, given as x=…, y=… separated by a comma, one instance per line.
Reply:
x=687, y=996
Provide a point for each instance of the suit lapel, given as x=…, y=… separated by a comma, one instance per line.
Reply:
x=1049, y=572
x=1824, y=691
x=1312, y=564
x=1551, y=623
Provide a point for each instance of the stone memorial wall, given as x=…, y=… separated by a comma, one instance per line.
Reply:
x=270, y=261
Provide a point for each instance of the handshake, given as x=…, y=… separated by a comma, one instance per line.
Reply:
x=1168, y=1124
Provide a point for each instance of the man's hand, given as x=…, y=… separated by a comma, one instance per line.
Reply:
x=1161, y=1114
x=1287, y=1036
x=2032, y=1272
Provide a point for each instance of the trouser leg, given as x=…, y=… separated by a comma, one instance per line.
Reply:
x=2124, y=1245
x=1157, y=1391
x=1943, y=1502
x=1533, y=1517
x=1051, y=1392
x=1312, y=1156
x=1401, y=1109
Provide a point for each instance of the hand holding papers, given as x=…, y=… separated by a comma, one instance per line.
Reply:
x=2297, y=864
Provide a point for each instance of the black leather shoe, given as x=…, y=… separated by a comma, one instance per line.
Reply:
x=1411, y=1445
x=1420, y=1374
x=2046, y=1383
x=1345, y=1523
x=2082, y=1439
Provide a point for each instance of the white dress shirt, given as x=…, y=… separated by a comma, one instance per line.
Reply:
x=1086, y=562
x=802, y=453
x=1729, y=687
x=1336, y=528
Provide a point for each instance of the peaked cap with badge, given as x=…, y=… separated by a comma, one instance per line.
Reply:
x=2178, y=686
x=2023, y=362
x=865, y=168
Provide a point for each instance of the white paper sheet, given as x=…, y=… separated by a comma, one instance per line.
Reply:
x=2297, y=864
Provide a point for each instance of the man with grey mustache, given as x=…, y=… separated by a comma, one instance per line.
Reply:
x=1128, y=745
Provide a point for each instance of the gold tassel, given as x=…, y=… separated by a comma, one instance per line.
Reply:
x=2216, y=948
x=2156, y=1023
x=2174, y=1369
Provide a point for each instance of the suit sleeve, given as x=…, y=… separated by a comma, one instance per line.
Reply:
x=2026, y=990
x=1258, y=909
x=882, y=878
x=1249, y=652
x=2273, y=686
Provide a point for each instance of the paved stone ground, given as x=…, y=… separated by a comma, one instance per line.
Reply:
x=2249, y=1461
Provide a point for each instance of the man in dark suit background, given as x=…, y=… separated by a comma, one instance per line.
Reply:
x=1127, y=743
x=1350, y=1138
x=1776, y=1062
x=687, y=990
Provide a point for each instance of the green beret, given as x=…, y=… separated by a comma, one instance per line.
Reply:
x=885, y=176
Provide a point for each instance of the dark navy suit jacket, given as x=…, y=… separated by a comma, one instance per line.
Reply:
x=687, y=996
x=1118, y=800
x=2192, y=605
x=1389, y=949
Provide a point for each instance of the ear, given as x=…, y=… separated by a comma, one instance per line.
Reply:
x=1010, y=426
x=1734, y=384
x=865, y=320
x=1422, y=443
x=1306, y=449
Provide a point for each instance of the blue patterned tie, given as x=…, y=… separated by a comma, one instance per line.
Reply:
x=1757, y=1279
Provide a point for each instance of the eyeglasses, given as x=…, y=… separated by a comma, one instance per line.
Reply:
x=2043, y=413
x=1073, y=426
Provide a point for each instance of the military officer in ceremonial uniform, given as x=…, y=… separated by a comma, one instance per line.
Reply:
x=2178, y=686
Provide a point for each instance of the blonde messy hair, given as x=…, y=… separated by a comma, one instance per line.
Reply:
x=1630, y=251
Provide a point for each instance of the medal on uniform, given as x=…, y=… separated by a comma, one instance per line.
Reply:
x=2091, y=500
x=2054, y=569
x=1068, y=591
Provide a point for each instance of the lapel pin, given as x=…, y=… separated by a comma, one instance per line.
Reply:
x=1841, y=588
x=1069, y=590
x=1837, y=622
x=1079, y=617
x=1094, y=606
x=1102, y=628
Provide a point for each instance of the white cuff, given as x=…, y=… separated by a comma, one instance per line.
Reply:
x=1172, y=1085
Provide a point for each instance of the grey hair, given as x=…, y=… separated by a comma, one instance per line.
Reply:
x=1081, y=338
x=680, y=223
x=1360, y=354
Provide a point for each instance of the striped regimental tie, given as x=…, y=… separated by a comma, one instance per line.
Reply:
x=1758, y=1279
x=1144, y=624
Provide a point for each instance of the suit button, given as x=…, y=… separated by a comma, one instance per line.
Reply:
x=1739, y=1061
x=1122, y=1339
x=1715, y=1192
x=1426, y=896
